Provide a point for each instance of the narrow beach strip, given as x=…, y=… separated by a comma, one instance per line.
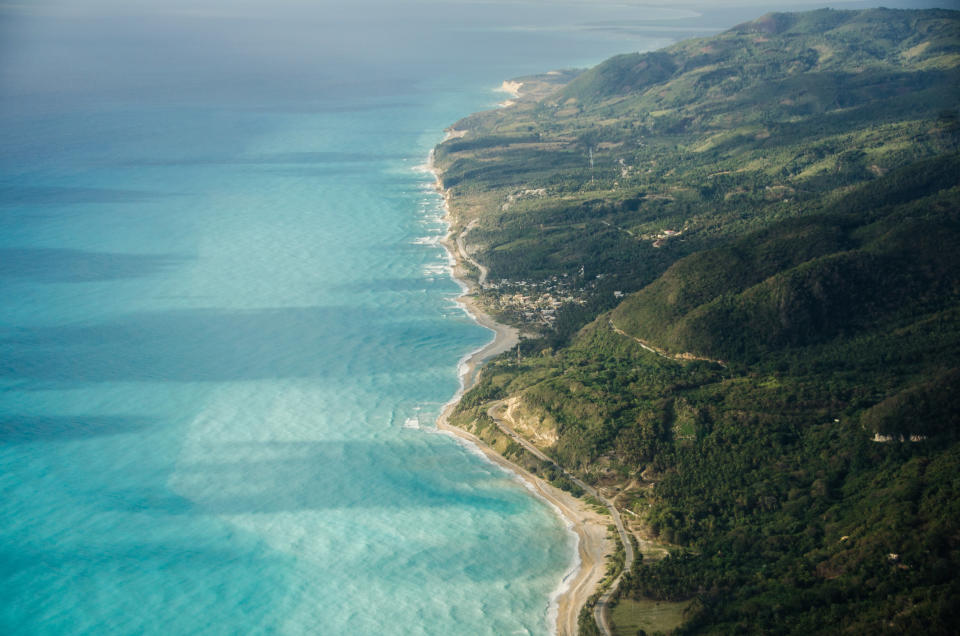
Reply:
x=590, y=528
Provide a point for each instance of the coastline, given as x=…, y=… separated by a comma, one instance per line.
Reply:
x=588, y=566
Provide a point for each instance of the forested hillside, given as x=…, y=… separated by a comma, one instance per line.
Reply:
x=739, y=262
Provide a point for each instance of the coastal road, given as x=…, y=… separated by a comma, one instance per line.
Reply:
x=601, y=611
x=482, y=276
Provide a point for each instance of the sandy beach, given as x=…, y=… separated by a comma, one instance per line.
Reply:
x=593, y=544
x=590, y=527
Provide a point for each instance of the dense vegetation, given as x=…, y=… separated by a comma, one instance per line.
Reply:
x=778, y=210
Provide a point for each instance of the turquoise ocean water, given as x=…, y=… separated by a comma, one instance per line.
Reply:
x=222, y=296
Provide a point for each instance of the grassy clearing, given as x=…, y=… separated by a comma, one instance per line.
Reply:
x=630, y=616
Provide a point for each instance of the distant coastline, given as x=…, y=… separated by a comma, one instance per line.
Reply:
x=590, y=528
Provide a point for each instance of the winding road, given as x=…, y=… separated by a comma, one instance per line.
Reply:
x=680, y=357
x=601, y=611
x=482, y=271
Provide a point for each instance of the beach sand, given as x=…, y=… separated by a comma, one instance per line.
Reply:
x=590, y=527
x=593, y=542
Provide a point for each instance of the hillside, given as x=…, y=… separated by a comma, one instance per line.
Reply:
x=739, y=262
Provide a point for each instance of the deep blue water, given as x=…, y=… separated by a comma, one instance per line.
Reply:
x=221, y=296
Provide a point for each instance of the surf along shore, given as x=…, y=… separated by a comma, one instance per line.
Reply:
x=590, y=527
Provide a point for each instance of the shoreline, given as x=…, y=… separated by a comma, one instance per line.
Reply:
x=589, y=528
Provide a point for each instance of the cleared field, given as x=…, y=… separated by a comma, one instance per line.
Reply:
x=630, y=616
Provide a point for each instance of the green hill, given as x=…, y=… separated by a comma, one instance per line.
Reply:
x=710, y=138
x=808, y=280
x=776, y=212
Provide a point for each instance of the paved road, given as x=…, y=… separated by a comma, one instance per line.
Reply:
x=601, y=612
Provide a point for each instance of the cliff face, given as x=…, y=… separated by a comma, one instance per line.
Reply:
x=536, y=425
x=740, y=259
